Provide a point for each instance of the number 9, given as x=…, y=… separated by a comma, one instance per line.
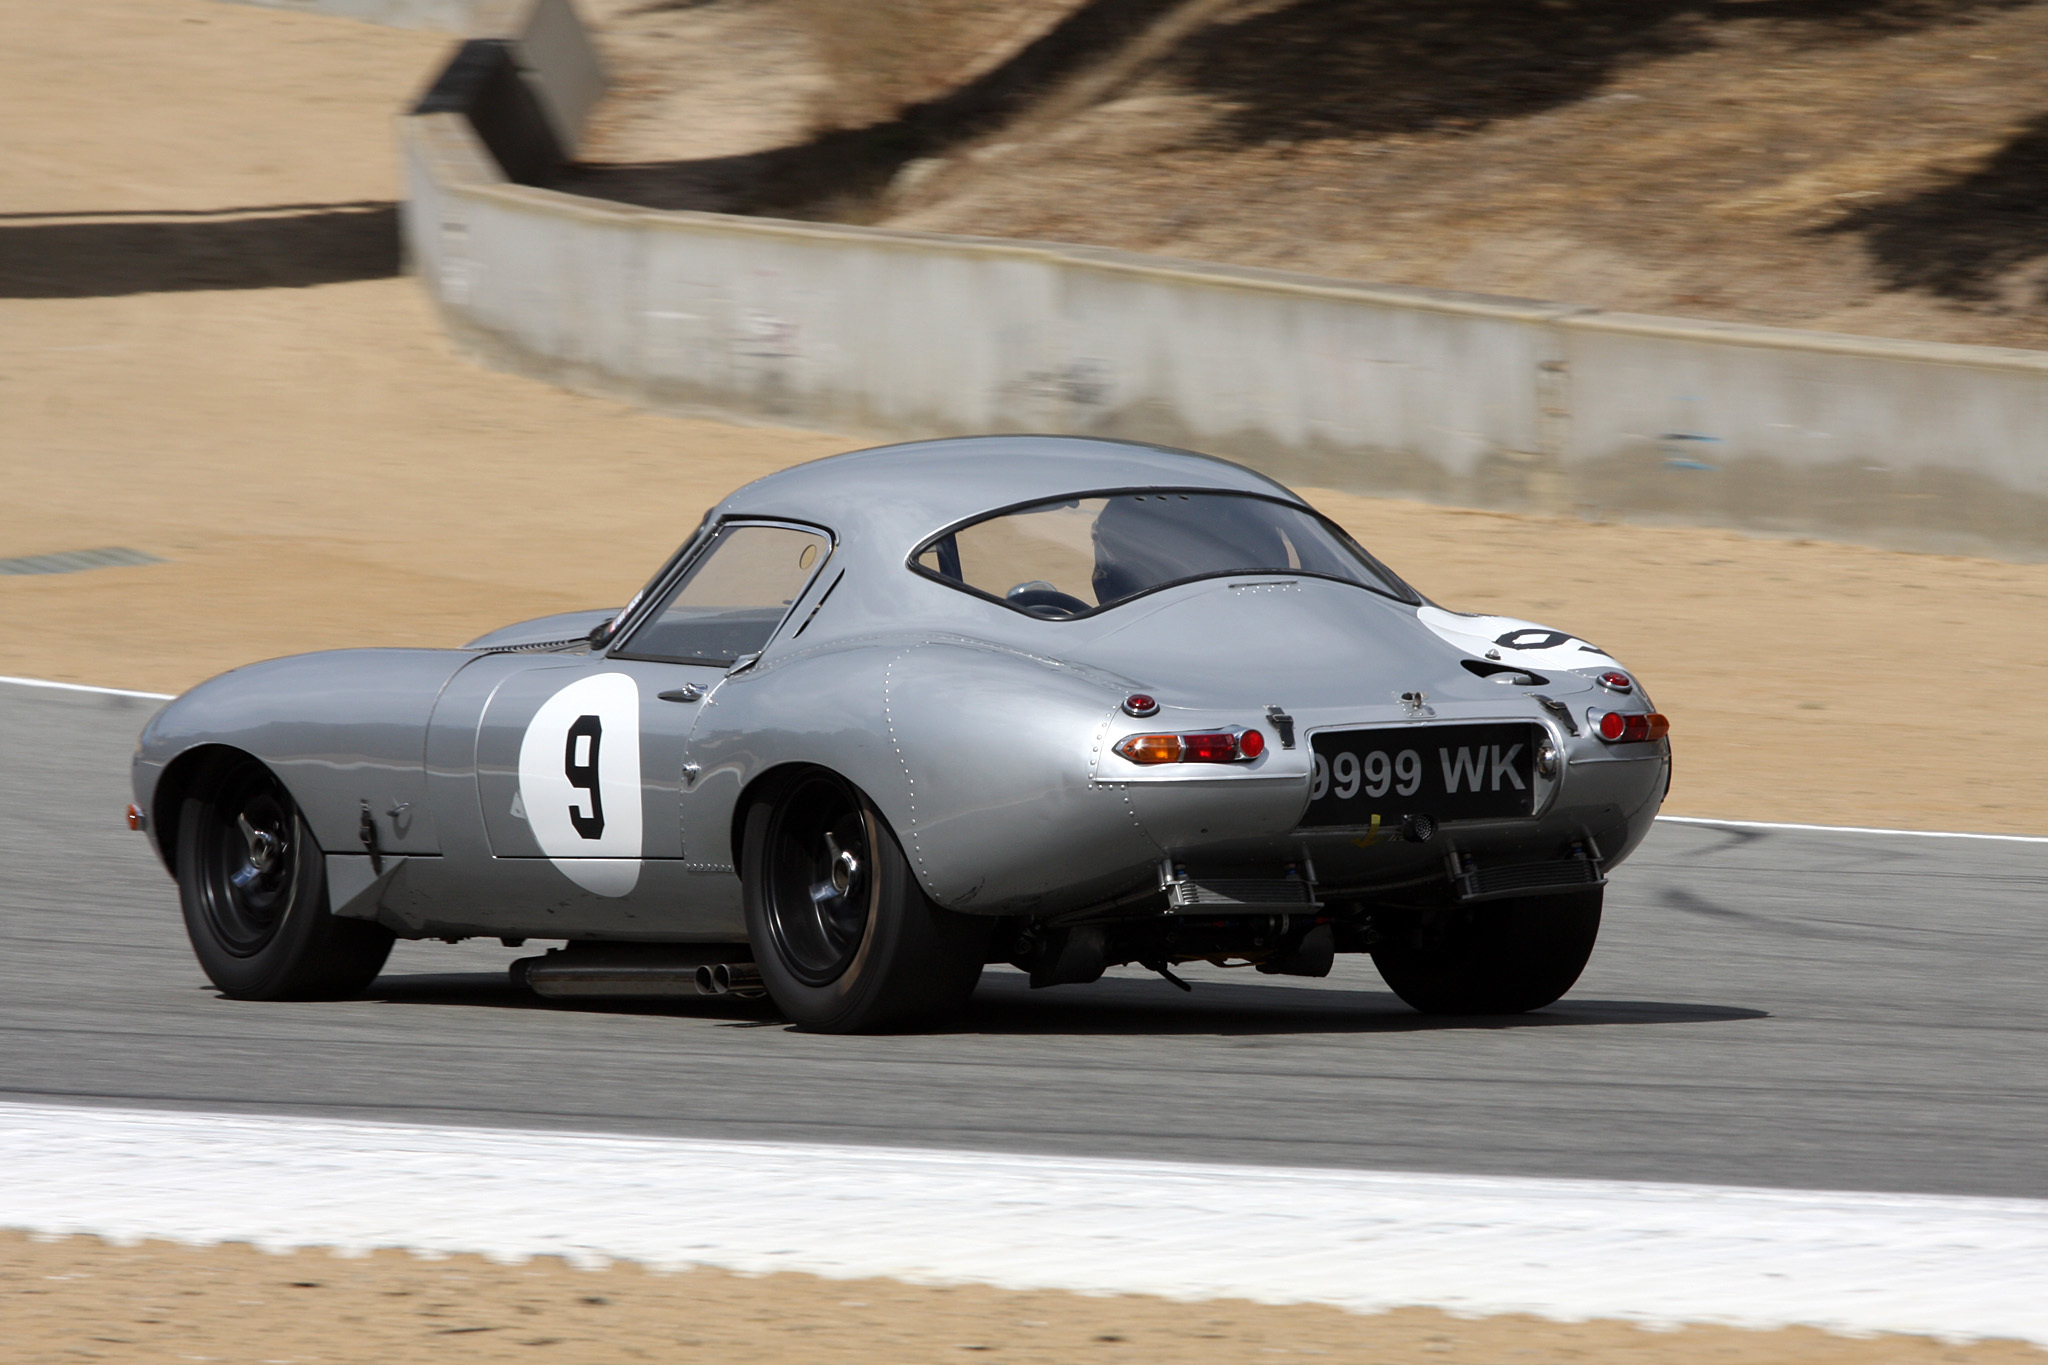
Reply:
x=1347, y=775
x=1319, y=783
x=1409, y=767
x=581, y=771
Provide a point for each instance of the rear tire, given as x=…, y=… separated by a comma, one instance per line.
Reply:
x=843, y=934
x=253, y=883
x=1497, y=957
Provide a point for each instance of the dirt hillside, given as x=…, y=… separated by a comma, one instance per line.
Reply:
x=1872, y=166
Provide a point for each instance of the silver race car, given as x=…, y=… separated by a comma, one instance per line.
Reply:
x=890, y=716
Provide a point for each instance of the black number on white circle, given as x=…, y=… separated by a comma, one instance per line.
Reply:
x=579, y=761
x=1534, y=639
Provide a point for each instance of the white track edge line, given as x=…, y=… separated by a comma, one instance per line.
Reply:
x=87, y=687
x=1667, y=819
x=1851, y=829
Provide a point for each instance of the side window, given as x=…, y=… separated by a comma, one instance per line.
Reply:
x=733, y=597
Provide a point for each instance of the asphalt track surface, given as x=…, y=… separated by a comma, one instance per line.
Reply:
x=1767, y=1007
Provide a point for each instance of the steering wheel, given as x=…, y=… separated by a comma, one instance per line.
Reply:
x=1042, y=600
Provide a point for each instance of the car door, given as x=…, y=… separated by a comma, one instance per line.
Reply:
x=580, y=762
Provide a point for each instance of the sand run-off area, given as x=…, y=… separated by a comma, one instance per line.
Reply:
x=80, y=1299
x=207, y=354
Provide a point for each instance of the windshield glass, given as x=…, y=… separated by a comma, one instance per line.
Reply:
x=733, y=596
x=1078, y=555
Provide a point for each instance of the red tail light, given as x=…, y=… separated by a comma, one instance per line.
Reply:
x=1215, y=746
x=1617, y=728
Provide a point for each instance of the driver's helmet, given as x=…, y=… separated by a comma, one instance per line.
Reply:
x=1145, y=539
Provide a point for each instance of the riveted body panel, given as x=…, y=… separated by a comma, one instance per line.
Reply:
x=539, y=784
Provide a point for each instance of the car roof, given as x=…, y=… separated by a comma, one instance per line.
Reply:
x=899, y=495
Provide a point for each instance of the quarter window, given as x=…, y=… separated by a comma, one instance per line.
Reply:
x=730, y=600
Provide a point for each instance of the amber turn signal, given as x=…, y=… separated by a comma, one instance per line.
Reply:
x=134, y=816
x=1220, y=746
x=1151, y=748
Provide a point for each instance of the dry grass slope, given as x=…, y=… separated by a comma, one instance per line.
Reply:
x=1873, y=166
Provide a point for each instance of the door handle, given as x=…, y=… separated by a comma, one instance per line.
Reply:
x=687, y=692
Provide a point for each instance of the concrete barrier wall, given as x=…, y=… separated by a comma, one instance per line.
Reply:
x=1922, y=445
x=450, y=16
x=1483, y=401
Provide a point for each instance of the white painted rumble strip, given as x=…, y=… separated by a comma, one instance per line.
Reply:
x=1363, y=1240
x=83, y=687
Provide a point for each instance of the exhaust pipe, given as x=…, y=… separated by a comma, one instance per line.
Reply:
x=1312, y=956
x=742, y=979
x=1068, y=957
x=627, y=971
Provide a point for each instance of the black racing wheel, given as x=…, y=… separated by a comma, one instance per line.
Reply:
x=845, y=938
x=1496, y=957
x=253, y=884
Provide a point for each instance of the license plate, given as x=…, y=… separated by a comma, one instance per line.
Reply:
x=1447, y=772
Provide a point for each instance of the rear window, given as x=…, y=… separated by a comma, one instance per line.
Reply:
x=1073, y=556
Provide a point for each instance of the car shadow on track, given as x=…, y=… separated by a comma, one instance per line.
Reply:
x=1005, y=1004
x=493, y=990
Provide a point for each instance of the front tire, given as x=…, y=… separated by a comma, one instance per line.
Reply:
x=253, y=883
x=1497, y=957
x=845, y=938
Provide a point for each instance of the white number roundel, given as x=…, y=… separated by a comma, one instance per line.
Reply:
x=579, y=780
x=1517, y=641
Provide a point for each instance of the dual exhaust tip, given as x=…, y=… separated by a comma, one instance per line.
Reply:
x=730, y=978
x=637, y=973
